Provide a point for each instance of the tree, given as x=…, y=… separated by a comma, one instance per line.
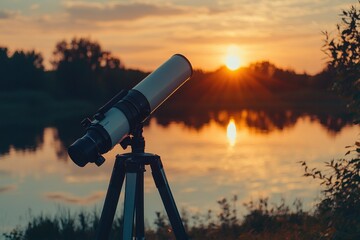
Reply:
x=343, y=51
x=4, y=68
x=79, y=65
x=27, y=69
x=22, y=70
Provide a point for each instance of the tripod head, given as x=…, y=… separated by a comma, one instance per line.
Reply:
x=135, y=140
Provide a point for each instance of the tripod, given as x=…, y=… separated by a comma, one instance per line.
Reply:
x=132, y=165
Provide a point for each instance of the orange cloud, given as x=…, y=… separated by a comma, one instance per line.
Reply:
x=5, y=14
x=68, y=198
x=119, y=11
x=7, y=188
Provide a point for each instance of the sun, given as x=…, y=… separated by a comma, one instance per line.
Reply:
x=232, y=58
x=232, y=62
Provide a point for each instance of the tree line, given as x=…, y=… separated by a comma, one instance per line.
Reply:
x=81, y=69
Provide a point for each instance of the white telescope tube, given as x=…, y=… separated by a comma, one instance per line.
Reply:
x=156, y=88
x=164, y=81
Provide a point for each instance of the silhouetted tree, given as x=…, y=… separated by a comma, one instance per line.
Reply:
x=81, y=65
x=4, y=68
x=22, y=70
x=344, y=53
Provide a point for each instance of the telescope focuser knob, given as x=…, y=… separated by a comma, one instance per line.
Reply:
x=99, y=161
x=126, y=142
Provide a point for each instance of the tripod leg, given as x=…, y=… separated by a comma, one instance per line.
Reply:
x=168, y=199
x=111, y=200
x=139, y=223
x=129, y=205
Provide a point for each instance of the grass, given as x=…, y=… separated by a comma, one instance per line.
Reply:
x=262, y=221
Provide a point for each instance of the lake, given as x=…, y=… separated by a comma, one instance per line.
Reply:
x=226, y=155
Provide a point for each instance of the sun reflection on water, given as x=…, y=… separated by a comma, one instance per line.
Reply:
x=231, y=132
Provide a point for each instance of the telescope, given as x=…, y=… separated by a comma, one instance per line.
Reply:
x=118, y=118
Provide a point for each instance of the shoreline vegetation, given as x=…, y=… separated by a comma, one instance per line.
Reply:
x=263, y=220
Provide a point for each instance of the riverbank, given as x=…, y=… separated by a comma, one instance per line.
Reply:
x=263, y=220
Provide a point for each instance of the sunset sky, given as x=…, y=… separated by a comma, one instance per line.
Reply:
x=145, y=33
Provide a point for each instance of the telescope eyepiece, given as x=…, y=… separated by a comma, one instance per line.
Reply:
x=83, y=151
x=90, y=147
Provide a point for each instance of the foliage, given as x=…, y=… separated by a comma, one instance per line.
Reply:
x=163, y=228
x=278, y=222
x=79, y=65
x=21, y=70
x=63, y=226
x=344, y=53
x=340, y=205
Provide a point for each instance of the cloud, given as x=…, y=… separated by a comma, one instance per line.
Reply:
x=189, y=190
x=34, y=6
x=5, y=14
x=86, y=179
x=68, y=198
x=141, y=32
x=7, y=188
x=119, y=11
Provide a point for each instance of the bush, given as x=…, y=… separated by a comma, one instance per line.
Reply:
x=344, y=57
x=340, y=206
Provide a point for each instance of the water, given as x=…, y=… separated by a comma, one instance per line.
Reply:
x=222, y=157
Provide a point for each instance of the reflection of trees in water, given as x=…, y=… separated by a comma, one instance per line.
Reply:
x=68, y=130
x=21, y=137
x=256, y=99
x=31, y=137
x=257, y=120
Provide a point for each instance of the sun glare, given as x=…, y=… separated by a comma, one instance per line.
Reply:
x=232, y=62
x=232, y=58
x=231, y=132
